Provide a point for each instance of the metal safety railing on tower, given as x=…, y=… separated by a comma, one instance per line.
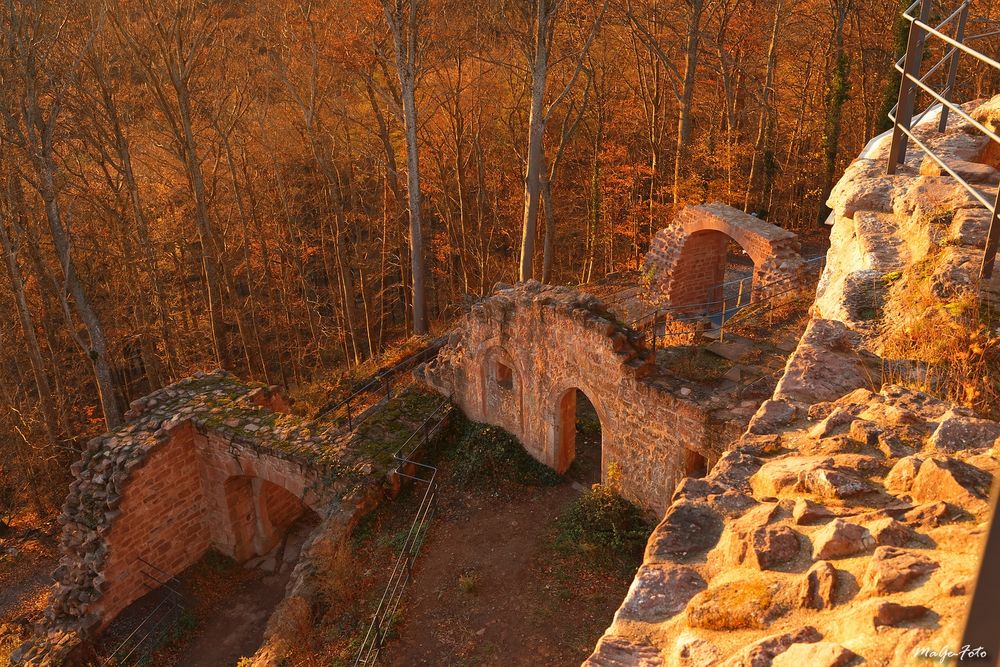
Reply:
x=980, y=631
x=913, y=84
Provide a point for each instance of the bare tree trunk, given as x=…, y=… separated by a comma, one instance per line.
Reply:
x=570, y=122
x=764, y=144
x=45, y=399
x=838, y=84
x=687, y=95
x=536, y=132
x=550, y=230
x=36, y=134
x=405, y=40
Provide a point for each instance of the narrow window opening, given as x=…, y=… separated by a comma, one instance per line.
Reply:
x=504, y=376
x=695, y=465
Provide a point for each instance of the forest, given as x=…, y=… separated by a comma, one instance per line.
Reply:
x=287, y=189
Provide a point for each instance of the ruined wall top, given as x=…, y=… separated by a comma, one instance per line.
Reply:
x=247, y=418
x=846, y=524
x=774, y=251
x=533, y=299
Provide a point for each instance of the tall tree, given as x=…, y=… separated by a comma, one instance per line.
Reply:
x=403, y=19
x=682, y=81
x=538, y=52
x=31, y=116
x=169, y=46
x=837, y=91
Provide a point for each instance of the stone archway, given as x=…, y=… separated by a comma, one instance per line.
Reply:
x=564, y=438
x=501, y=387
x=259, y=512
x=559, y=340
x=687, y=260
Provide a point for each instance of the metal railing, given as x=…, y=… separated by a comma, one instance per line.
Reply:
x=373, y=390
x=402, y=571
x=912, y=84
x=147, y=635
x=725, y=308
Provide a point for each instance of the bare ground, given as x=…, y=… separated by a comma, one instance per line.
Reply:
x=226, y=608
x=490, y=588
x=27, y=557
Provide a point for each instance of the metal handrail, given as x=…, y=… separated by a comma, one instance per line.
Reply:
x=383, y=380
x=911, y=84
x=968, y=50
x=733, y=314
x=402, y=571
x=172, y=605
x=980, y=627
x=666, y=310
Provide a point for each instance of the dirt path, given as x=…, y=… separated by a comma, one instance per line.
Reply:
x=235, y=628
x=489, y=589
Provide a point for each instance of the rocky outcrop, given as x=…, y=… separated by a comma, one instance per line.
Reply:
x=883, y=486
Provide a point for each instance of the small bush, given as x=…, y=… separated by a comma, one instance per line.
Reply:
x=490, y=458
x=604, y=524
x=467, y=582
x=949, y=341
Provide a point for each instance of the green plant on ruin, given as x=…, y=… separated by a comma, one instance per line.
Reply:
x=646, y=277
x=941, y=216
x=491, y=458
x=892, y=277
x=604, y=525
x=335, y=386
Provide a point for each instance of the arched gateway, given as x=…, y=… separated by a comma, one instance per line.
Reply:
x=519, y=359
x=207, y=462
x=687, y=260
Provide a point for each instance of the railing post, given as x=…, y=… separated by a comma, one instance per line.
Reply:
x=953, y=66
x=992, y=241
x=907, y=89
x=350, y=424
x=722, y=322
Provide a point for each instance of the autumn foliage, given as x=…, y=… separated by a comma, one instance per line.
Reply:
x=191, y=184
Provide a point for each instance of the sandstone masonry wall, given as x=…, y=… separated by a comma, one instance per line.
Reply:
x=687, y=258
x=164, y=519
x=845, y=526
x=555, y=340
x=204, y=462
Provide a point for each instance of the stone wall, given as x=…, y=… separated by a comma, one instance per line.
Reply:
x=164, y=519
x=554, y=341
x=845, y=526
x=687, y=259
x=206, y=462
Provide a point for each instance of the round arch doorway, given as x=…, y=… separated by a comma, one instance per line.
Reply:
x=579, y=452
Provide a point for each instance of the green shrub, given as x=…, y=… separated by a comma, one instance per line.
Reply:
x=490, y=458
x=604, y=524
